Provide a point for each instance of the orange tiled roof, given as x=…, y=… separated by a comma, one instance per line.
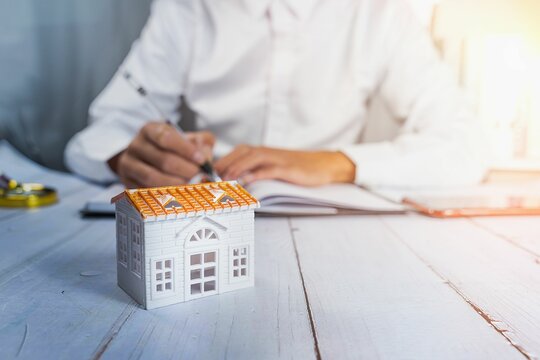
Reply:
x=173, y=202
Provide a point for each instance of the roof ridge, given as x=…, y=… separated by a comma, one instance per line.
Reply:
x=195, y=199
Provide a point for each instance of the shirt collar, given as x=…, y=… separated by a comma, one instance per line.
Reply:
x=300, y=8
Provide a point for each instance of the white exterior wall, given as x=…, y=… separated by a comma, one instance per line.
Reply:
x=127, y=280
x=170, y=239
x=241, y=232
x=159, y=245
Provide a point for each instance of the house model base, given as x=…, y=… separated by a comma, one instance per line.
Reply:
x=180, y=243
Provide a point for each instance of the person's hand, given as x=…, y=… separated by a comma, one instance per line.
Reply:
x=160, y=156
x=309, y=168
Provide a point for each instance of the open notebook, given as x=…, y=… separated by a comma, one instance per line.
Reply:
x=279, y=198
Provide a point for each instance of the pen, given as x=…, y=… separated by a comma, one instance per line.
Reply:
x=207, y=167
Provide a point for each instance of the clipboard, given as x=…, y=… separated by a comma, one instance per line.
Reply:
x=471, y=206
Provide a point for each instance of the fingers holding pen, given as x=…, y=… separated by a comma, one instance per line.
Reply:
x=136, y=173
x=166, y=137
x=167, y=162
x=160, y=155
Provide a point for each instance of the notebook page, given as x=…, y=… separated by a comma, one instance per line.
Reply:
x=345, y=196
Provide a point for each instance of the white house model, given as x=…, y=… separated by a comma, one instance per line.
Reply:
x=175, y=244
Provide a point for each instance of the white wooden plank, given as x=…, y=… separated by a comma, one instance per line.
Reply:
x=28, y=234
x=268, y=321
x=371, y=297
x=49, y=310
x=523, y=232
x=499, y=280
x=33, y=233
x=46, y=306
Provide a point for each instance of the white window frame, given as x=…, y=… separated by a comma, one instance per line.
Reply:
x=238, y=266
x=160, y=267
x=135, y=237
x=203, y=279
x=122, y=237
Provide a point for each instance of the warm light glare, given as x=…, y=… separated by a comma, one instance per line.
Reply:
x=533, y=134
x=494, y=46
x=509, y=98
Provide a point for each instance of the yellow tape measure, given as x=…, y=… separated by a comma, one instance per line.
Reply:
x=15, y=195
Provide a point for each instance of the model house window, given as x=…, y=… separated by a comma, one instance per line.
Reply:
x=202, y=273
x=122, y=230
x=136, y=247
x=239, y=262
x=203, y=234
x=162, y=277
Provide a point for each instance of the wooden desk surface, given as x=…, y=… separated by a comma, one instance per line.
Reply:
x=394, y=287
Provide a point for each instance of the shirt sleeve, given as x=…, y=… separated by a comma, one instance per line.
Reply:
x=158, y=60
x=440, y=142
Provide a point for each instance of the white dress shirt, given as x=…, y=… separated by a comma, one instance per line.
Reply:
x=293, y=74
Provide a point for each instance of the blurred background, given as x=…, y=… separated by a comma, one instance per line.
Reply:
x=57, y=55
x=494, y=48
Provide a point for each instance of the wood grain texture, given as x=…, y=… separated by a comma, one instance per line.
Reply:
x=375, y=287
x=268, y=321
x=523, y=232
x=58, y=312
x=497, y=279
x=59, y=297
x=26, y=235
x=32, y=235
x=371, y=297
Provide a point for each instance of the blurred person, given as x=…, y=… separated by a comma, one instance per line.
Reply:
x=280, y=89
